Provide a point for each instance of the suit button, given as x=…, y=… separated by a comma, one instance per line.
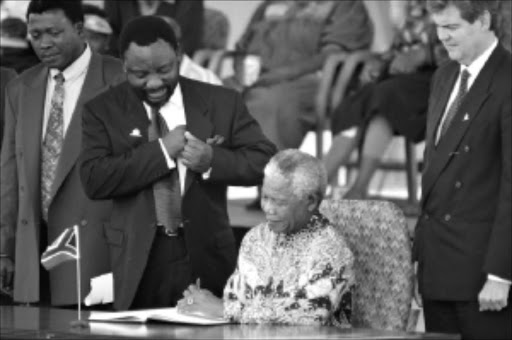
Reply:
x=458, y=184
x=426, y=217
x=447, y=217
x=22, y=188
x=467, y=148
x=20, y=154
x=24, y=222
x=83, y=223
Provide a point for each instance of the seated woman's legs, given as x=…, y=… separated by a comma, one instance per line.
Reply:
x=343, y=144
x=378, y=136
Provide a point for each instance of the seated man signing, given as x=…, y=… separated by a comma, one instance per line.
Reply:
x=292, y=269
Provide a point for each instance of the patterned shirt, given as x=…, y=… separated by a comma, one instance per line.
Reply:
x=300, y=278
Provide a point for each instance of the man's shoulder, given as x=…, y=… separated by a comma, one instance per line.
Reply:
x=206, y=89
x=112, y=96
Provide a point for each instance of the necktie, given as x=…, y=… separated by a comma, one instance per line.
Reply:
x=166, y=191
x=454, y=108
x=52, y=143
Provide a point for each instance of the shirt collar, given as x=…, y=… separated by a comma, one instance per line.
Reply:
x=478, y=64
x=77, y=68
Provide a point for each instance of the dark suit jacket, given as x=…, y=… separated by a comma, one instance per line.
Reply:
x=21, y=192
x=464, y=232
x=6, y=74
x=122, y=167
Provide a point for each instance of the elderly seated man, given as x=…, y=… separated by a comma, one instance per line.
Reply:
x=292, y=269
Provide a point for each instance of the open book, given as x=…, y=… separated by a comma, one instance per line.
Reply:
x=159, y=314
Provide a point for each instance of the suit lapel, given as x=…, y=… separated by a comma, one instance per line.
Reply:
x=469, y=110
x=198, y=123
x=136, y=112
x=31, y=126
x=93, y=84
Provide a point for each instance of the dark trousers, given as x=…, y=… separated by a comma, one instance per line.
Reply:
x=465, y=319
x=167, y=274
x=44, y=275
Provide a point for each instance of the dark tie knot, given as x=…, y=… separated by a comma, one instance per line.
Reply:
x=59, y=78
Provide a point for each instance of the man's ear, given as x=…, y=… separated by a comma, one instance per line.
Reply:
x=313, y=202
x=79, y=26
x=485, y=19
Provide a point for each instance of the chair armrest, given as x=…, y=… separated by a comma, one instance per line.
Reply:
x=324, y=88
x=352, y=62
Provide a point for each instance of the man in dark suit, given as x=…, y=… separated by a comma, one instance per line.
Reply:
x=463, y=237
x=165, y=148
x=6, y=74
x=41, y=192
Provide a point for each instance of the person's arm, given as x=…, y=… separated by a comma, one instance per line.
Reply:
x=8, y=194
x=105, y=174
x=498, y=261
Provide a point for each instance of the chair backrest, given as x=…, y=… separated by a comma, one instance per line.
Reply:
x=377, y=234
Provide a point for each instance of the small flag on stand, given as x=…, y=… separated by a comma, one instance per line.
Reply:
x=65, y=248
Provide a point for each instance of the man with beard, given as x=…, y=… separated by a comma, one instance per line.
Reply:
x=165, y=148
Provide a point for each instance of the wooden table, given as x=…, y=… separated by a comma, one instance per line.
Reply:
x=51, y=323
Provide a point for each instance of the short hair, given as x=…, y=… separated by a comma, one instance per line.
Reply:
x=306, y=173
x=470, y=10
x=146, y=30
x=72, y=8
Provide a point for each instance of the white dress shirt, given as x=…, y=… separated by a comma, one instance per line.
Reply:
x=173, y=113
x=74, y=77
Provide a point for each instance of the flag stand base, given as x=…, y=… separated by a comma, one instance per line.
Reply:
x=79, y=324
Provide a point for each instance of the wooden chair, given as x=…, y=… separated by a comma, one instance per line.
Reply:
x=376, y=232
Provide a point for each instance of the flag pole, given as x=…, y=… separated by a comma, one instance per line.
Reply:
x=78, y=270
x=78, y=323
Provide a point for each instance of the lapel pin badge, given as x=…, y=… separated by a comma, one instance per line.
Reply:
x=466, y=117
x=135, y=133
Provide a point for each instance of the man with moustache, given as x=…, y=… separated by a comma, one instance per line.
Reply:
x=164, y=148
x=41, y=193
x=463, y=237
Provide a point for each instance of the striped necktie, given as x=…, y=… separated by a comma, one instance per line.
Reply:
x=52, y=143
x=457, y=102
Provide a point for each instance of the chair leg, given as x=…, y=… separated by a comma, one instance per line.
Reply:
x=320, y=142
x=411, y=172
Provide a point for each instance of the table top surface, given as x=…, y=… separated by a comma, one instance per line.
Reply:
x=34, y=322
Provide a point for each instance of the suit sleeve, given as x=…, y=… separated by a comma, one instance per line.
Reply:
x=8, y=182
x=106, y=174
x=499, y=255
x=243, y=162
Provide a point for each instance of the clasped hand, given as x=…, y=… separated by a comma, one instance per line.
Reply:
x=493, y=296
x=195, y=154
x=200, y=301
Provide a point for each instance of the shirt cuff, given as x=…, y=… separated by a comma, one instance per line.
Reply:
x=206, y=175
x=497, y=279
x=170, y=163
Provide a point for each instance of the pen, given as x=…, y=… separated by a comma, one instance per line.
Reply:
x=198, y=283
